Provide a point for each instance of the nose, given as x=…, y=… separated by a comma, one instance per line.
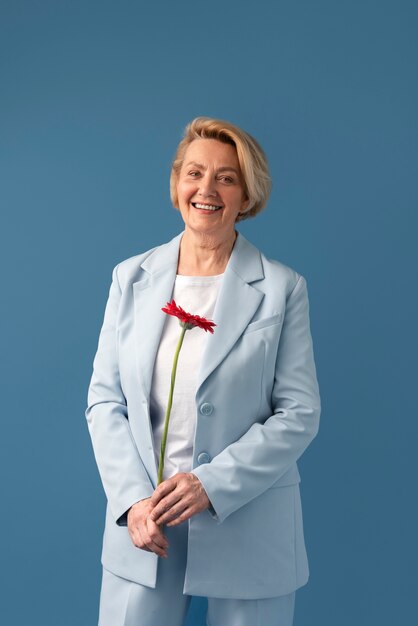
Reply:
x=207, y=186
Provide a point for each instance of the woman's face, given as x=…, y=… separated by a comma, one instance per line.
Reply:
x=210, y=189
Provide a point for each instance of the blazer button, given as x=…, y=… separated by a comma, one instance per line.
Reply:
x=206, y=408
x=203, y=458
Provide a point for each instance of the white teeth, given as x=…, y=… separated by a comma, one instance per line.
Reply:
x=208, y=207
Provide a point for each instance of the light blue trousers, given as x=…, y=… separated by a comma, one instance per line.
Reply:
x=125, y=603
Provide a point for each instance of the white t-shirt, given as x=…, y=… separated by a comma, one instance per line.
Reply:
x=196, y=295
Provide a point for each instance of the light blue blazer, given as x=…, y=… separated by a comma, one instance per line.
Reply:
x=257, y=409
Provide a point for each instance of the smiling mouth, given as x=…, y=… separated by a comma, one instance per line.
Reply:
x=206, y=207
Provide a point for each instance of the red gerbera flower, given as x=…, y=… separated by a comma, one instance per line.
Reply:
x=187, y=320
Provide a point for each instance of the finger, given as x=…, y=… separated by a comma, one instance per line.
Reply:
x=138, y=541
x=162, y=490
x=173, y=512
x=165, y=505
x=185, y=515
x=192, y=507
x=156, y=534
x=151, y=546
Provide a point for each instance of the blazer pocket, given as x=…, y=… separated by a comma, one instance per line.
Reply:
x=266, y=321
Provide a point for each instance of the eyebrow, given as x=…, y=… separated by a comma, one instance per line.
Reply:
x=226, y=168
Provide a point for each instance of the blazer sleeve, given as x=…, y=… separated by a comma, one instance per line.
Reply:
x=250, y=465
x=122, y=472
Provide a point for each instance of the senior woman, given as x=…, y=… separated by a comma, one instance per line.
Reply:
x=226, y=521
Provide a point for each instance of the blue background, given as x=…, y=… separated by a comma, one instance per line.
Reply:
x=94, y=98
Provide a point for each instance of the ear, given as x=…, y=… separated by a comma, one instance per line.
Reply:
x=244, y=209
x=245, y=204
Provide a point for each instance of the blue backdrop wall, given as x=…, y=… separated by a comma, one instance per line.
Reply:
x=95, y=96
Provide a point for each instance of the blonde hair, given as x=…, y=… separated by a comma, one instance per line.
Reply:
x=251, y=157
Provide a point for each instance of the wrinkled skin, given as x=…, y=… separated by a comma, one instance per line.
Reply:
x=173, y=502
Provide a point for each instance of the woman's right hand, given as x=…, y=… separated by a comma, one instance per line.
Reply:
x=145, y=533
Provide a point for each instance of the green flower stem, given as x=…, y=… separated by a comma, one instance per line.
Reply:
x=169, y=404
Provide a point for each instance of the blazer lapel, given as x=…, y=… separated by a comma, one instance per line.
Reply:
x=150, y=295
x=236, y=304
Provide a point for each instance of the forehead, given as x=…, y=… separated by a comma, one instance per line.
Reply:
x=211, y=152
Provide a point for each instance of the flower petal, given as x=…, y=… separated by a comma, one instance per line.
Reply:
x=191, y=320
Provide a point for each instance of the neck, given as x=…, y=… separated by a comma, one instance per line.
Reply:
x=204, y=255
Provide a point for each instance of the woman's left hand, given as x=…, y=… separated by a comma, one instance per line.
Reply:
x=177, y=499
